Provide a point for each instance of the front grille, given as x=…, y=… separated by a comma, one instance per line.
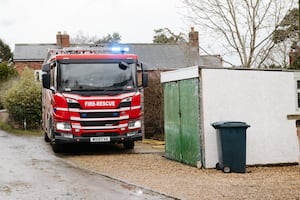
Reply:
x=99, y=123
x=99, y=114
x=93, y=119
x=99, y=134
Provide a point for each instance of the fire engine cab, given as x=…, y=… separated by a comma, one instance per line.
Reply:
x=92, y=95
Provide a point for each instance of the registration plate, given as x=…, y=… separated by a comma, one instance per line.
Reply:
x=100, y=139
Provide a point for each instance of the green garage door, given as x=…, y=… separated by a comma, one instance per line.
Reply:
x=182, y=123
x=172, y=121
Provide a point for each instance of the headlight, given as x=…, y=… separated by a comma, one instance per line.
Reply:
x=128, y=99
x=63, y=126
x=72, y=103
x=135, y=124
x=71, y=100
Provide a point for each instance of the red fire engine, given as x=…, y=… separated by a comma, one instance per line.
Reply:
x=92, y=95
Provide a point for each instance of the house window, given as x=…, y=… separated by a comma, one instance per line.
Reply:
x=37, y=75
x=298, y=94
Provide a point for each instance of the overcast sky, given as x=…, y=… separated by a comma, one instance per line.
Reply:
x=38, y=21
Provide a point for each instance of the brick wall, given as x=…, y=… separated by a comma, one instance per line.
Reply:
x=20, y=65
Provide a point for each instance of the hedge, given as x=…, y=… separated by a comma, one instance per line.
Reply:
x=7, y=75
x=23, y=102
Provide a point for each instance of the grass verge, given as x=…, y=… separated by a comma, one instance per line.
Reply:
x=10, y=129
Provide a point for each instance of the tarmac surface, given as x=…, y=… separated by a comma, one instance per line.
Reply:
x=30, y=170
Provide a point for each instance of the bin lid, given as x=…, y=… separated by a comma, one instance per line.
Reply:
x=230, y=124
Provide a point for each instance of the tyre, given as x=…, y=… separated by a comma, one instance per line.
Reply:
x=218, y=167
x=129, y=145
x=46, y=138
x=226, y=169
x=57, y=148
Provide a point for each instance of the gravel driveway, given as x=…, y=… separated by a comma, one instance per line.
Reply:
x=147, y=167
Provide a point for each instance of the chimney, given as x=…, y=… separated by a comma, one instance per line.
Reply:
x=62, y=40
x=193, y=38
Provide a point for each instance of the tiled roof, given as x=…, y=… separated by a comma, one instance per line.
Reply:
x=154, y=56
x=165, y=56
x=32, y=52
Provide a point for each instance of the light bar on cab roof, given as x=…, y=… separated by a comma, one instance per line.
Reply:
x=87, y=50
x=119, y=49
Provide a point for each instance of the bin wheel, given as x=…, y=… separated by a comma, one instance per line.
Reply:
x=218, y=167
x=226, y=169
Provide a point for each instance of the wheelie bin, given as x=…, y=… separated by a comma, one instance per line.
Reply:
x=231, y=141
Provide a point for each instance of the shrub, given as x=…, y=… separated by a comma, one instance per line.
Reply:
x=4, y=87
x=7, y=74
x=23, y=102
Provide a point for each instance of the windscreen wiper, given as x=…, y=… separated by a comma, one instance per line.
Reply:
x=113, y=88
x=87, y=88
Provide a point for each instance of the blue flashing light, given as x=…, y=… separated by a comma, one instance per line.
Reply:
x=119, y=49
x=115, y=49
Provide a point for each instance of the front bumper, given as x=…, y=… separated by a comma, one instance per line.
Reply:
x=112, y=139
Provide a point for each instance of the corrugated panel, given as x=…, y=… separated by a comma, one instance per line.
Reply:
x=189, y=116
x=172, y=121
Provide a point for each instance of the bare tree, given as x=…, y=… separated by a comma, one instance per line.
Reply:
x=279, y=55
x=243, y=27
x=82, y=38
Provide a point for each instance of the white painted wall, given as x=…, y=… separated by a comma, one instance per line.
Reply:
x=180, y=74
x=263, y=99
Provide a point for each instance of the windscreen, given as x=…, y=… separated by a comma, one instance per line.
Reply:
x=97, y=77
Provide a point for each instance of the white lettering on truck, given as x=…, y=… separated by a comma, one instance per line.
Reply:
x=99, y=103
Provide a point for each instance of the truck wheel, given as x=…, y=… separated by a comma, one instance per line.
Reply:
x=46, y=138
x=55, y=147
x=129, y=145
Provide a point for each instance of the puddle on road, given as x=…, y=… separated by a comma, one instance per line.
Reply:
x=128, y=187
x=17, y=185
x=20, y=148
x=3, y=135
x=5, y=189
x=139, y=192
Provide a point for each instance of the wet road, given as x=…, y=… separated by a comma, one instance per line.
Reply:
x=30, y=170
